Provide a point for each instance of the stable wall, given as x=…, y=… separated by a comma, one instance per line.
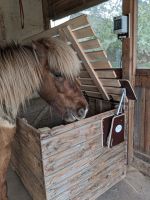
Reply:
x=10, y=21
x=142, y=123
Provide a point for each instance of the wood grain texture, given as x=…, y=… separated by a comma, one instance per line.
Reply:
x=87, y=64
x=60, y=8
x=129, y=65
x=141, y=165
x=73, y=23
x=89, y=44
x=142, y=129
x=71, y=159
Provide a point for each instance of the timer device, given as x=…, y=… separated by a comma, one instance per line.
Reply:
x=121, y=26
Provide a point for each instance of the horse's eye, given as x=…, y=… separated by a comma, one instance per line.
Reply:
x=57, y=74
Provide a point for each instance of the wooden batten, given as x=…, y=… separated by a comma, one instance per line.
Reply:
x=60, y=8
x=89, y=88
x=86, y=81
x=129, y=65
x=110, y=83
x=73, y=23
x=89, y=44
x=83, y=32
x=87, y=64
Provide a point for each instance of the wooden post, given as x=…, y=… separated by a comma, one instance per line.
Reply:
x=129, y=66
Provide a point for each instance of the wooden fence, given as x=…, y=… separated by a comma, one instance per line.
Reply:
x=142, y=122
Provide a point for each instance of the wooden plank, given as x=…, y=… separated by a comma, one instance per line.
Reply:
x=64, y=128
x=116, y=179
x=142, y=72
x=86, y=63
x=35, y=188
x=113, y=90
x=100, y=64
x=95, y=55
x=65, y=11
x=83, y=32
x=142, y=156
x=129, y=65
x=142, y=81
x=55, y=163
x=92, y=192
x=139, y=130
x=115, y=97
x=85, y=174
x=30, y=136
x=86, y=164
x=111, y=83
x=146, y=122
x=34, y=165
x=118, y=71
x=89, y=44
x=87, y=81
x=94, y=94
x=73, y=23
x=78, y=191
x=141, y=165
x=89, y=88
x=62, y=142
x=106, y=74
x=84, y=74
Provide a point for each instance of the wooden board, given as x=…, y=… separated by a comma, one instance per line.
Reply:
x=83, y=32
x=141, y=165
x=87, y=64
x=89, y=44
x=142, y=130
x=73, y=23
x=71, y=160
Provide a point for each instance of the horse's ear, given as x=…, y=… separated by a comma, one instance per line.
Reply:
x=41, y=51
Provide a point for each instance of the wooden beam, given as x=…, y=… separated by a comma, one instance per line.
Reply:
x=87, y=64
x=129, y=66
x=73, y=23
x=57, y=11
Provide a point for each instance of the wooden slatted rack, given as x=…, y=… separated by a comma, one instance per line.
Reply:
x=98, y=78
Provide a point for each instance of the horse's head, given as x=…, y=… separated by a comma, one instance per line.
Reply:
x=60, y=86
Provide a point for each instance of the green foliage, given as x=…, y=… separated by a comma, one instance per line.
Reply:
x=101, y=18
x=143, y=42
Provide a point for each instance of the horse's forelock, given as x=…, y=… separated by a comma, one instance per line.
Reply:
x=62, y=58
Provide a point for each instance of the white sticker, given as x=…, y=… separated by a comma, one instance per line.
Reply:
x=118, y=128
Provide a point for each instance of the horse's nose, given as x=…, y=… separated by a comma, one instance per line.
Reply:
x=82, y=112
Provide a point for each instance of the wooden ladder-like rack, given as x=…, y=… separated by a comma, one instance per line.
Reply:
x=98, y=78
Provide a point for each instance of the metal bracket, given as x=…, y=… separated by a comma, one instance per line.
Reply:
x=121, y=106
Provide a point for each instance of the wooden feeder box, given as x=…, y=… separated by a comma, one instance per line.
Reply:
x=71, y=162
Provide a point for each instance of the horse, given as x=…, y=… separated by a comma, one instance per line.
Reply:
x=47, y=66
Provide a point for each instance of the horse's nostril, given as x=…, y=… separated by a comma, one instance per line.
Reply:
x=81, y=111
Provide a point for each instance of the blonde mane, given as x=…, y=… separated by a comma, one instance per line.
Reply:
x=20, y=73
x=19, y=77
x=62, y=58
